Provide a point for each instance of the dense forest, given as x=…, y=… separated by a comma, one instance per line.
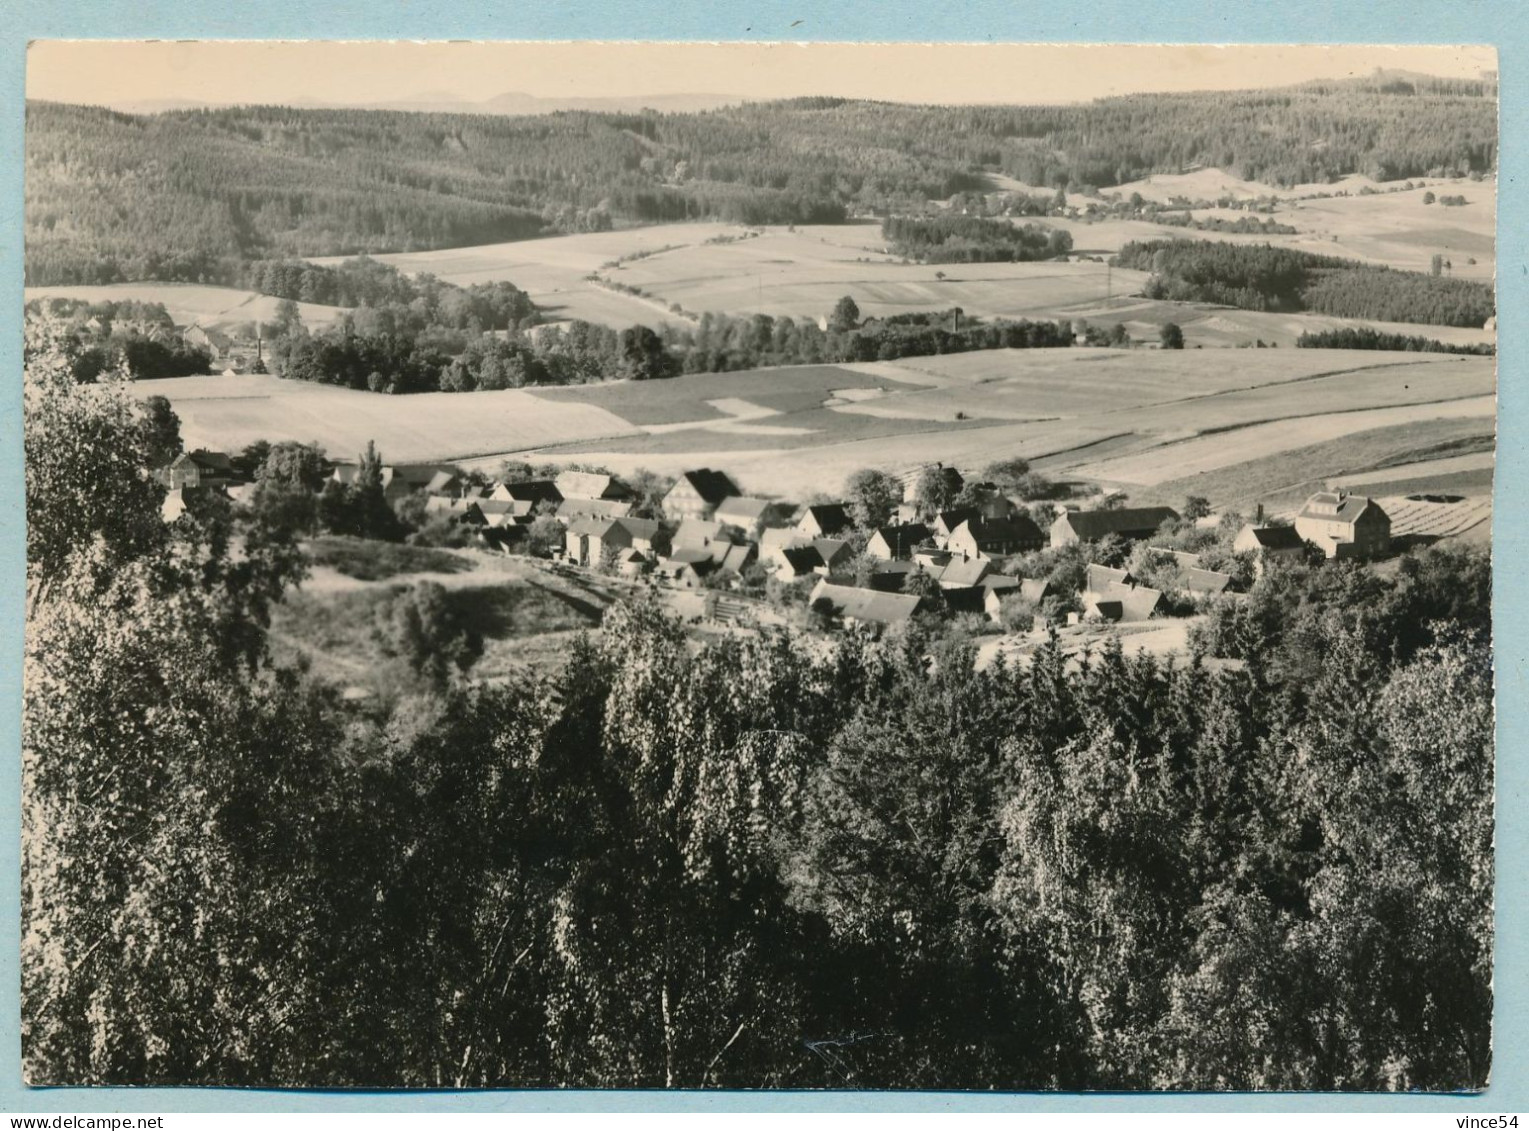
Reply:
x=752, y=863
x=1262, y=277
x=972, y=239
x=192, y=195
x=1364, y=338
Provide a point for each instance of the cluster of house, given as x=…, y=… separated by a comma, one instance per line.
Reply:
x=711, y=533
x=230, y=354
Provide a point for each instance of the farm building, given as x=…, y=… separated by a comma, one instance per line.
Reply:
x=945, y=523
x=890, y=577
x=398, y=481
x=995, y=537
x=588, y=540
x=572, y=508
x=862, y=606
x=897, y=543
x=217, y=344
x=1128, y=522
x=1204, y=582
x=824, y=520
x=820, y=556
x=698, y=493
x=963, y=573
x=750, y=515
x=590, y=485
x=199, y=468
x=1105, y=579
x=1344, y=525
x=1125, y=604
x=1269, y=542
x=531, y=491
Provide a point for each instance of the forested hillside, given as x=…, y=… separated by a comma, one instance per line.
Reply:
x=1261, y=277
x=191, y=195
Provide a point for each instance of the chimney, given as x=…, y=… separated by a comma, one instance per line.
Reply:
x=1258, y=515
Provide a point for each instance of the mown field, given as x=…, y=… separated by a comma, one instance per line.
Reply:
x=1137, y=417
x=226, y=413
x=1394, y=229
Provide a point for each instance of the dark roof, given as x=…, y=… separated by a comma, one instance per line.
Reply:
x=211, y=461
x=1003, y=531
x=802, y=559
x=972, y=599
x=1328, y=505
x=1276, y=537
x=644, y=528
x=904, y=536
x=713, y=486
x=1093, y=525
x=533, y=490
x=949, y=520
x=830, y=517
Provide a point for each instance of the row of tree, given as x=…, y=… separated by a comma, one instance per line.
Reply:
x=1263, y=277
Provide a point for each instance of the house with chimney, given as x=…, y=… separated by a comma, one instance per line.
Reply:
x=1269, y=543
x=897, y=543
x=1342, y=525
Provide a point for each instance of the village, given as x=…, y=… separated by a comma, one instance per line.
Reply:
x=951, y=550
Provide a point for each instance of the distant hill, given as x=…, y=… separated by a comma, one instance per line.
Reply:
x=511, y=103
x=193, y=194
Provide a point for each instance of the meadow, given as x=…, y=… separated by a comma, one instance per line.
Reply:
x=227, y=413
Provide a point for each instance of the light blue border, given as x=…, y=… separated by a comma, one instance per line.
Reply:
x=1499, y=22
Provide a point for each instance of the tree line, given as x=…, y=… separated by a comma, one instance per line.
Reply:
x=193, y=195
x=972, y=239
x=397, y=350
x=1263, y=277
x=1364, y=338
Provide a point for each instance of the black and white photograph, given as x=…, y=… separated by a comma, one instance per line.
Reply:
x=613, y=565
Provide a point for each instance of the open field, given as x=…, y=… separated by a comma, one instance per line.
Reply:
x=1044, y=384
x=1152, y=416
x=1394, y=229
x=793, y=388
x=226, y=413
x=553, y=271
x=1148, y=421
x=1282, y=480
x=803, y=272
x=192, y=303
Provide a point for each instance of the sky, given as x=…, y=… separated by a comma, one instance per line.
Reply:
x=117, y=73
